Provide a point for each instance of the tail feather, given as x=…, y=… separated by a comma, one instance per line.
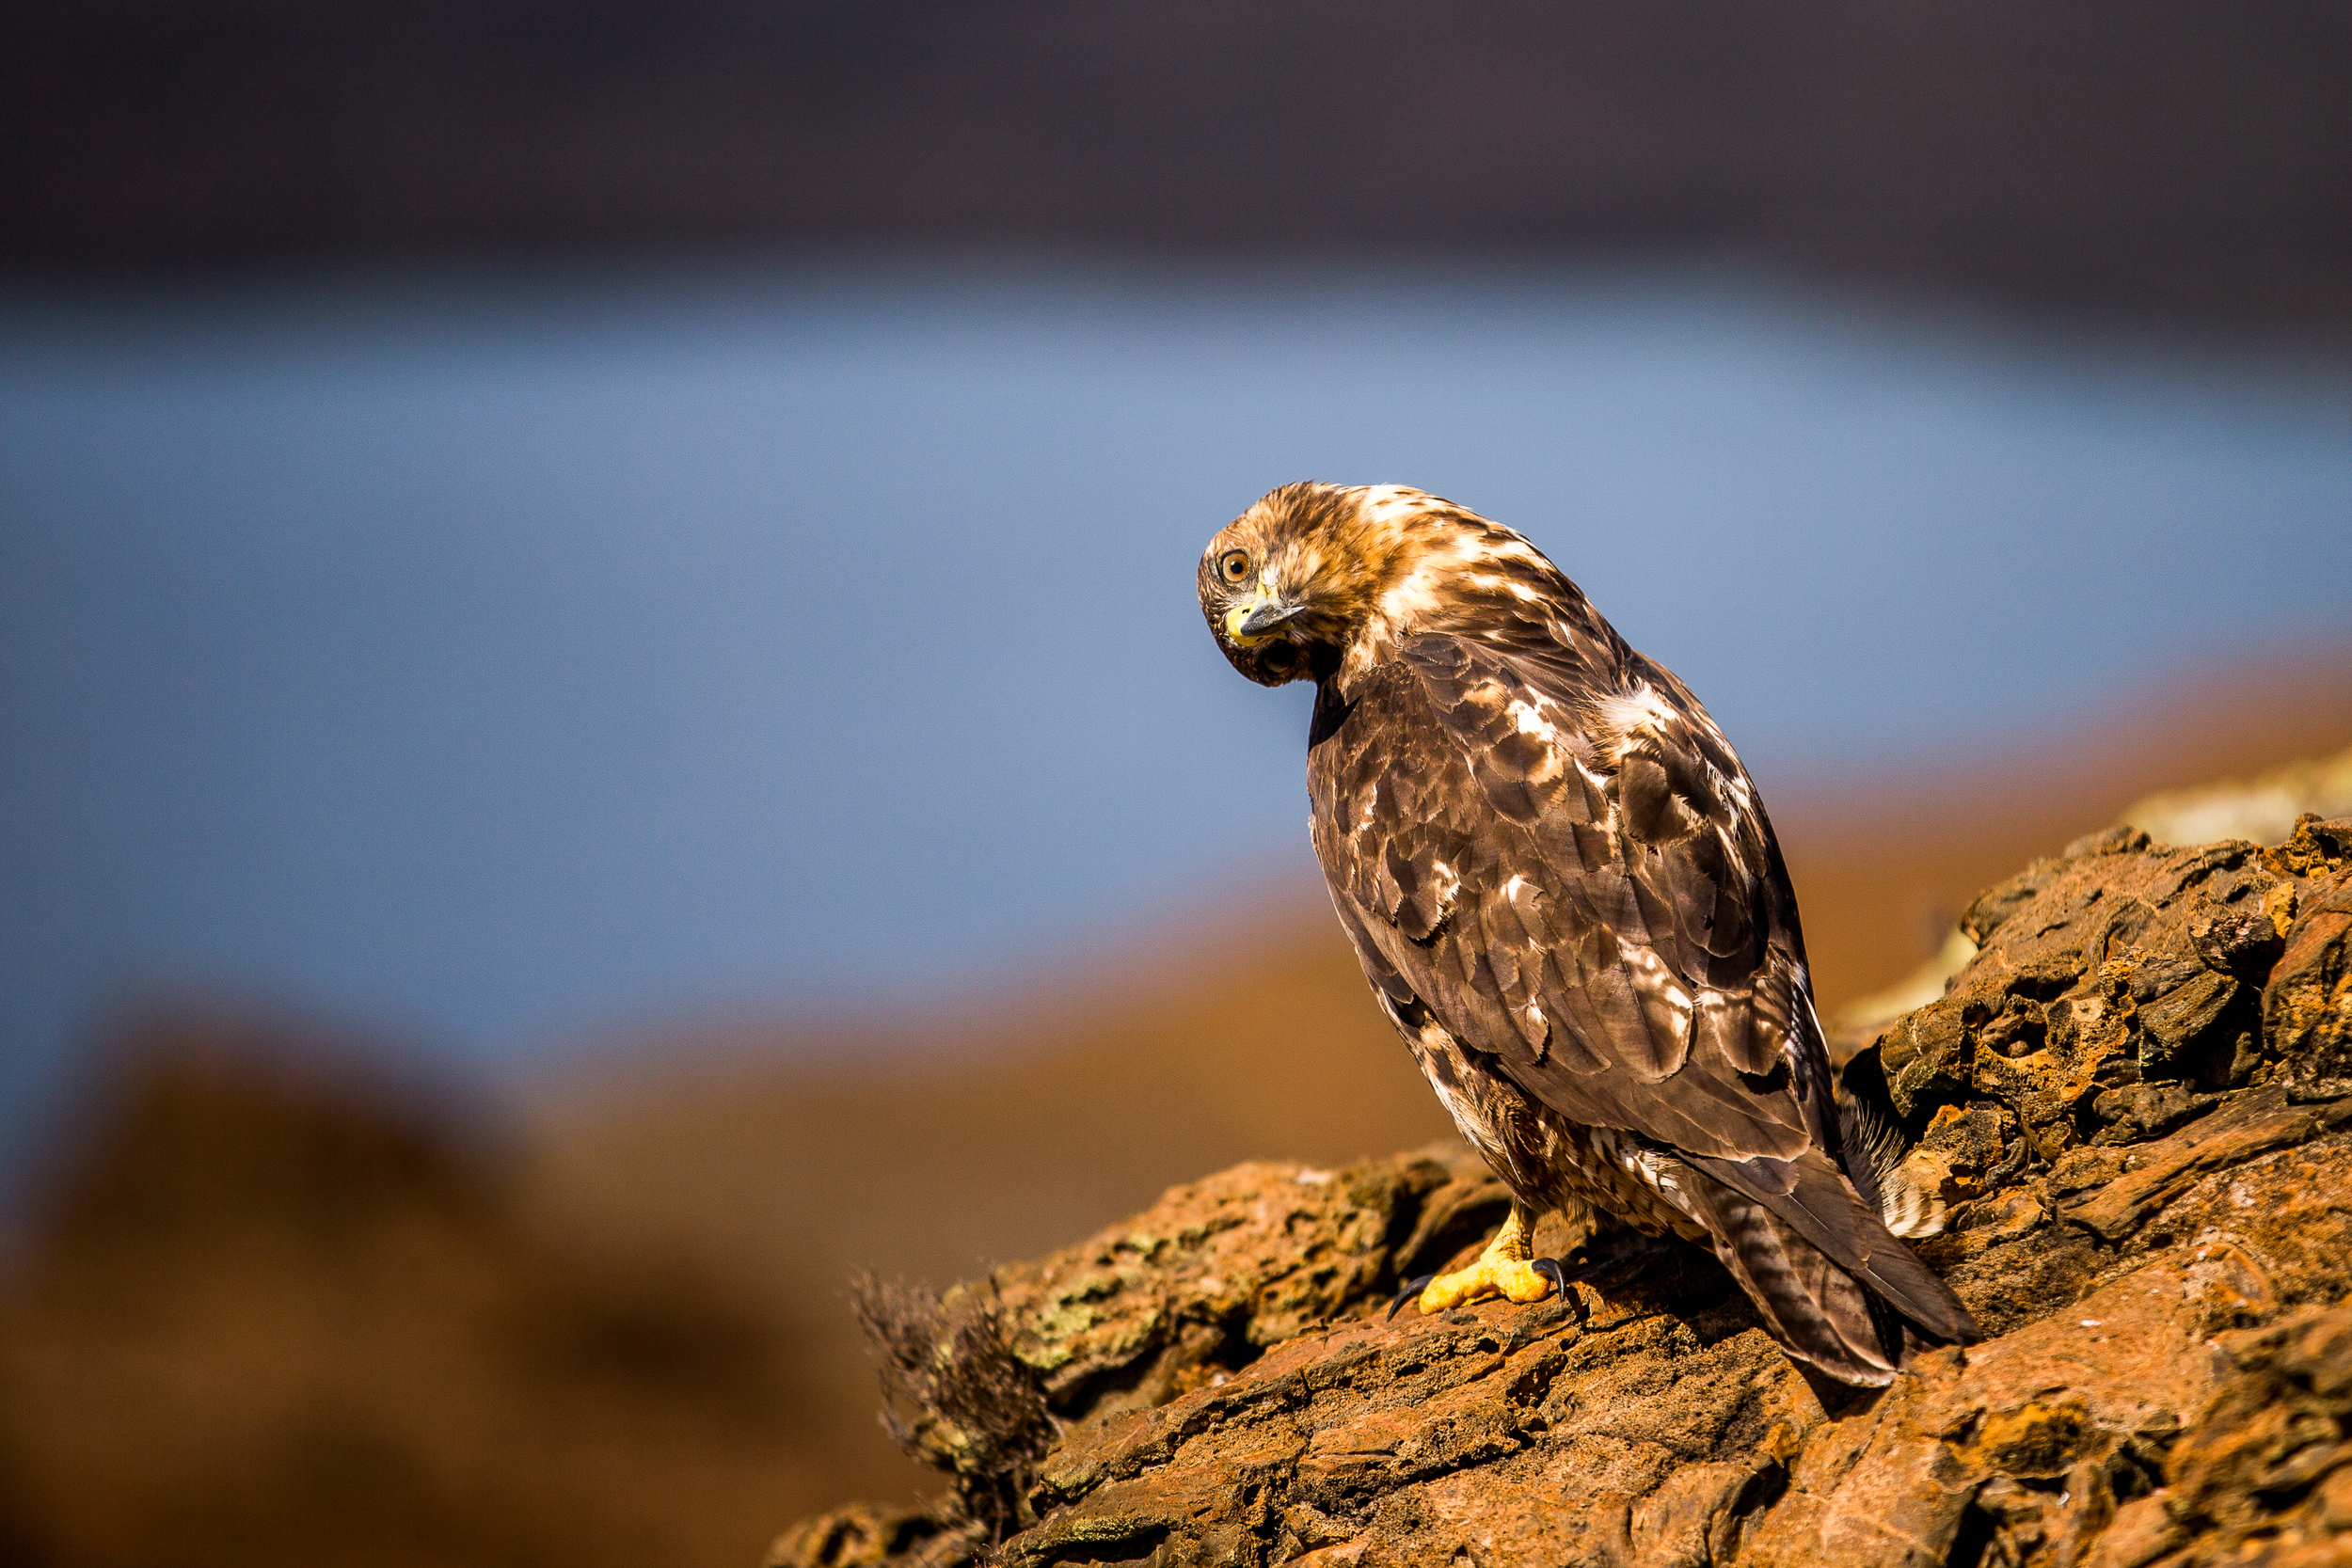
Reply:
x=1911, y=1206
x=1876, y=1149
x=1812, y=1196
x=1836, y=1289
x=1817, y=1311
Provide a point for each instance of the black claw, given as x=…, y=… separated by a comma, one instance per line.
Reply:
x=1412, y=1289
x=1562, y=1277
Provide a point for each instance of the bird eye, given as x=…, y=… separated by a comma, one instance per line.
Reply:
x=1234, y=565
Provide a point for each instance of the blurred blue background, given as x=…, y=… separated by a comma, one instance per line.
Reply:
x=503, y=658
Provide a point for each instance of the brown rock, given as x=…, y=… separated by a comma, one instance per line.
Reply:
x=2255, y=1122
x=864, y=1536
x=2307, y=1005
x=2151, y=1186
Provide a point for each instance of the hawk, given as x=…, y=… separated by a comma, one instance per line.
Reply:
x=1568, y=900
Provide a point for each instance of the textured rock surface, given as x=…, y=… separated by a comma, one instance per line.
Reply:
x=2138, y=1100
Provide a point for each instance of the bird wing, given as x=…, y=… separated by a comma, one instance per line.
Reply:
x=1567, y=866
x=1563, y=861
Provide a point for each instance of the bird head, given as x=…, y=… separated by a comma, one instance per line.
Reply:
x=1315, y=579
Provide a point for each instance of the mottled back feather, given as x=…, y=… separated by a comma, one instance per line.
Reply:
x=1580, y=901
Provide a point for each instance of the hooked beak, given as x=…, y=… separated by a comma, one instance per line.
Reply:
x=1251, y=624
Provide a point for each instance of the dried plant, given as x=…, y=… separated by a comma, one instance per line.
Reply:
x=955, y=1397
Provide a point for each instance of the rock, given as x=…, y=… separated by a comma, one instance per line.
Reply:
x=2265, y=1475
x=2306, y=1005
x=2119, y=964
x=2132, y=1099
x=864, y=1536
x=2138, y=1111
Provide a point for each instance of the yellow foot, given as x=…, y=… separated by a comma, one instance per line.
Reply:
x=1515, y=1279
x=1505, y=1269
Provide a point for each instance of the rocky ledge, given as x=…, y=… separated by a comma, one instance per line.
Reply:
x=2137, y=1101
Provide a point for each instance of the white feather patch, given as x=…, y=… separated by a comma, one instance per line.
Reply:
x=1531, y=720
x=1631, y=715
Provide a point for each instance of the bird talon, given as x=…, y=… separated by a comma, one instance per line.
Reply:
x=1412, y=1287
x=1552, y=1269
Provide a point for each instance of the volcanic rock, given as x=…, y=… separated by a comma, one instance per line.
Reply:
x=2137, y=1102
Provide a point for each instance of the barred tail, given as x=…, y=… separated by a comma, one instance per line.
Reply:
x=1836, y=1288
x=1817, y=1311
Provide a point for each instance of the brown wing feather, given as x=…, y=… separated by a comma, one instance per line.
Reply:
x=1557, y=854
x=1605, y=914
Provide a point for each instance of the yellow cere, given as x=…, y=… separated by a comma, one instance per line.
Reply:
x=1240, y=612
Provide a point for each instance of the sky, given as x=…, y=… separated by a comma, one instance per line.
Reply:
x=499, y=658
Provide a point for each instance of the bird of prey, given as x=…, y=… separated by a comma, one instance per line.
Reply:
x=1568, y=898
